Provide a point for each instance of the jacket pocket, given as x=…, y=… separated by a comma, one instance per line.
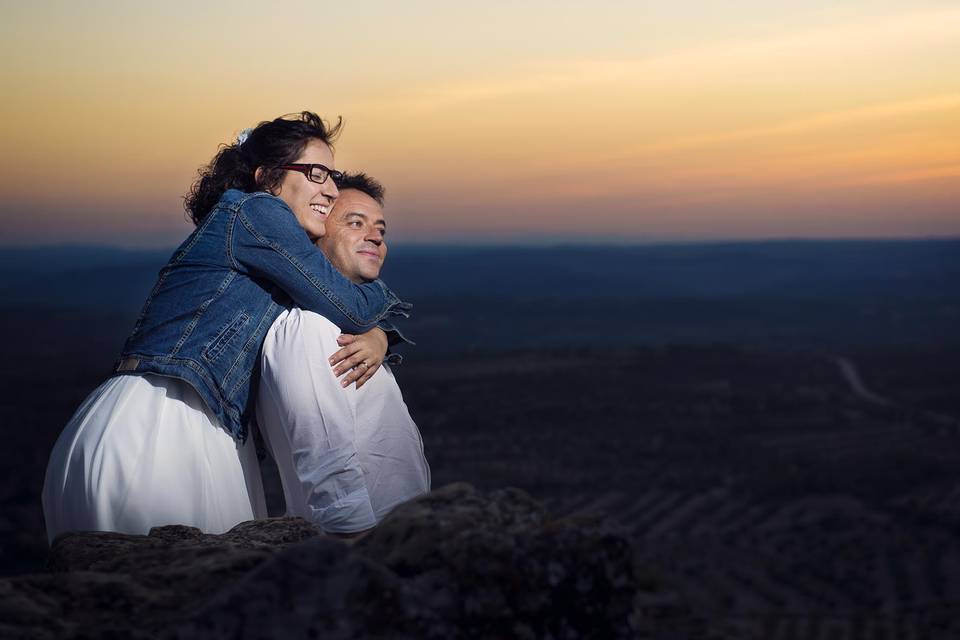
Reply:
x=219, y=344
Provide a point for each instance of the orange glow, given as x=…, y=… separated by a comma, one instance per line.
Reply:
x=618, y=121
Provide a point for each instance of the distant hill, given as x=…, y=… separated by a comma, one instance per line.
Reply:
x=481, y=297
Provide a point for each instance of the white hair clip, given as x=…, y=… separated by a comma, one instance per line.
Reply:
x=242, y=136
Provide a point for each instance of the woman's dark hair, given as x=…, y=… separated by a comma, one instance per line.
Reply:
x=270, y=144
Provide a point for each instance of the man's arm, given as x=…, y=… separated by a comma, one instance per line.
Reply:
x=309, y=422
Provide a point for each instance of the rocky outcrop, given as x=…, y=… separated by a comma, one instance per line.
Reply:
x=456, y=563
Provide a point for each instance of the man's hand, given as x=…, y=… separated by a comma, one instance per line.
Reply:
x=360, y=356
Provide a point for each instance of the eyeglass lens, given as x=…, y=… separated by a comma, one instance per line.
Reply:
x=318, y=174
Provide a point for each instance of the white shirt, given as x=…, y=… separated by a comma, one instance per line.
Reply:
x=346, y=456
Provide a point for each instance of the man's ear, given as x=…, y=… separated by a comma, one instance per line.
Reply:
x=258, y=174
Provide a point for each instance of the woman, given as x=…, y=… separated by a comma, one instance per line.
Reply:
x=165, y=440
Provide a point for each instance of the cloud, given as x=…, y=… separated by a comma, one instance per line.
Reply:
x=818, y=50
x=911, y=175
x=818, y=121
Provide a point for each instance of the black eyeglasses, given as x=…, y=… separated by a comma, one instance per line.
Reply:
x=314, y=172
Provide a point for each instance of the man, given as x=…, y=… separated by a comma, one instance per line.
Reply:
x=346, y=456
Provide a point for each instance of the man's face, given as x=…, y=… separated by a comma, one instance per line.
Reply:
x=354, y=240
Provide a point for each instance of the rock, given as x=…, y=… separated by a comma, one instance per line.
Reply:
x=166, y=546
x=456, y=563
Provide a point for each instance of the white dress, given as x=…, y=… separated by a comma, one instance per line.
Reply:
x=146, y=451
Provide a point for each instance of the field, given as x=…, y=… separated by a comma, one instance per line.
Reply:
x=785, y=460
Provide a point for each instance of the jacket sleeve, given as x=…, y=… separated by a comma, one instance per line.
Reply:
x=266, y=241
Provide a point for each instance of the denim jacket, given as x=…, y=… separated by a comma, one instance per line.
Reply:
x=206, y=318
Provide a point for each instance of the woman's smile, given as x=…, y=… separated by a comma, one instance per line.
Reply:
x=310, y=202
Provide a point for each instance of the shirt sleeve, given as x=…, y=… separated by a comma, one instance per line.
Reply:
x=309, y=421
x=267, y=242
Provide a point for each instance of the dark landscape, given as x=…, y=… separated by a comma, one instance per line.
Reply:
x=775, y=426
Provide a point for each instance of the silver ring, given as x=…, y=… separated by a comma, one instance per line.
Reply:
x=363, y=363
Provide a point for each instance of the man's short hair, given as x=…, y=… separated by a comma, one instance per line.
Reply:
x=363, y=183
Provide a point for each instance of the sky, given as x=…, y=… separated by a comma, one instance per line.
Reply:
x=497, y=122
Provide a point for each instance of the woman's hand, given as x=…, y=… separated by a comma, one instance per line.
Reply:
x=361, y=356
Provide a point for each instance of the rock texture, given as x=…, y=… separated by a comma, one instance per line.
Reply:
x=456, y=563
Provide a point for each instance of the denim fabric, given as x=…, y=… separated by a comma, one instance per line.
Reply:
x=205, y=320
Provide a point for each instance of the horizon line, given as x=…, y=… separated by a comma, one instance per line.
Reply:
x=541, y=244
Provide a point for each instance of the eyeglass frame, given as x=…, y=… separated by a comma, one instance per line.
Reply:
x=307, y=168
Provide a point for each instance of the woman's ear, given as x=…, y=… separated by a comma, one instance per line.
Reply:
x=258, y=178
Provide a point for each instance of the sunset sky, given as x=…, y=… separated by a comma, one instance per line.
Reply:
x=489, y=122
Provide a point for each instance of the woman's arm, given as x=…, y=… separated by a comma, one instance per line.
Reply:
x=266, y=241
